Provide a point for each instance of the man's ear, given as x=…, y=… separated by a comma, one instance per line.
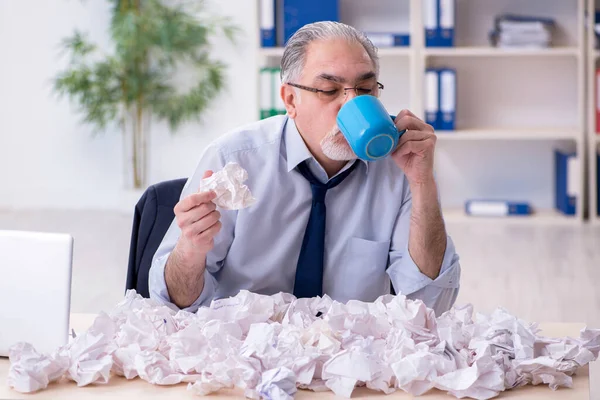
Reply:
x=290, y=98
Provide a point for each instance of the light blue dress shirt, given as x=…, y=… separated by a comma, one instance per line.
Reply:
x=367, y=227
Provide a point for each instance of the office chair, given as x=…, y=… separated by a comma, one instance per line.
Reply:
x=151, y=220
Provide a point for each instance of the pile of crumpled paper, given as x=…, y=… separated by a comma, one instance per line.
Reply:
x=271, y=345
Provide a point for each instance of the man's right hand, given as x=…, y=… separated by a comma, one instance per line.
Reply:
x=199, y=221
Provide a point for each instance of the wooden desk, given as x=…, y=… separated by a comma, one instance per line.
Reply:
x=119, y=387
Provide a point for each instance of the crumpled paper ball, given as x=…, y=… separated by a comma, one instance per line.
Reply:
x=228, y=185
x=270, y=346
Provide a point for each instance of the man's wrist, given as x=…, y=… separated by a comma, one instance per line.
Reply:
x=424, y=190
x=184, y=277
x=186, y=257
x=425, y=201
x=422, y=182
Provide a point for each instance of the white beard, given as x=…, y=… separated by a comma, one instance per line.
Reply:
x=336, y=147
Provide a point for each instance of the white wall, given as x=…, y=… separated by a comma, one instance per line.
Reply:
x=48, y=159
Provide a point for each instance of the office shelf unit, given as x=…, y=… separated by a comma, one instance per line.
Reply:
x=514, y=106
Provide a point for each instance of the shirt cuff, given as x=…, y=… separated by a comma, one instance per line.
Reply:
x=159, y=291
x=407, y=278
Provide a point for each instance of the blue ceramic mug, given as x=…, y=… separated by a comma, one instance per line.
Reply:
x=368, y=127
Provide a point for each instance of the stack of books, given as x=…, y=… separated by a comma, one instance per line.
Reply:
x=389, y=39
x=280, y=19
x=515, y=31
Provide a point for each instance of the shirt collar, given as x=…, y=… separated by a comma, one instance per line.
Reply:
x=295, y=148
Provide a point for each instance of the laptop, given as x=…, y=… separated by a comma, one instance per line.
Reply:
x=35, y=289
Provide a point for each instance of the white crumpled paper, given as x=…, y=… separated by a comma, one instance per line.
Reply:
x=268, y=346
x=228, y=185
x=277, y=384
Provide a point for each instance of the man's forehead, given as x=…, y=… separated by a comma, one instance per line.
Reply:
x=332, y=77
x=335, y=49
x=337, y=58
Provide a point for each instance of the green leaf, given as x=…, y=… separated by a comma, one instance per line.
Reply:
x=150, y=40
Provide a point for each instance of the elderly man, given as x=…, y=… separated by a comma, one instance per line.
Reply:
x=325, y=222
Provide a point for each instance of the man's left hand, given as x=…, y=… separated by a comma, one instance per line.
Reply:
x=415, y=151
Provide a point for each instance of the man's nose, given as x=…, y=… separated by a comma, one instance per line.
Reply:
x=349, y=94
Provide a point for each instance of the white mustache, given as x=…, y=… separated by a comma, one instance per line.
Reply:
x=334, y=132
x=335, y=150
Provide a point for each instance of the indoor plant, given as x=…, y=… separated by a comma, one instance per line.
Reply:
x=151, y=40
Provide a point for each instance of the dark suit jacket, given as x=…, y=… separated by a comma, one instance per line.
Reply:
x=151, y=220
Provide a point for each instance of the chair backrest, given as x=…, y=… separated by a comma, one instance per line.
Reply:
x=152, y=217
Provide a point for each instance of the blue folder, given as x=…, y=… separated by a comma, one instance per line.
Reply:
x=564, y=202
x=297, y=13
x=497, y=208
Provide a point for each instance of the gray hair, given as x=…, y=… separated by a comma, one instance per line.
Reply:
x=294, y=55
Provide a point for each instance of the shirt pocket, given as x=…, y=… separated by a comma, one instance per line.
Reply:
x=364, y=265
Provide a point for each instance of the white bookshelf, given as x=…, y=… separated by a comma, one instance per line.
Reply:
x=593, y=61
x=514, y=105
x=508, y=135
x=497, y=52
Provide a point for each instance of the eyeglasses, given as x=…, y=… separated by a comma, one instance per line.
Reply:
x=333, y=94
